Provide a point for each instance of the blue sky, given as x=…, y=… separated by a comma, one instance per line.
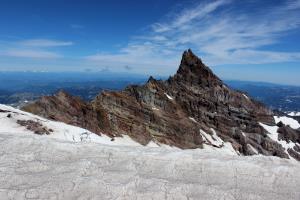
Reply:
x=243, y=40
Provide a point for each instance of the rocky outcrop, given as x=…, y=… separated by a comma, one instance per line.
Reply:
x=35, y=127
x=66, y=108
x=172, y=112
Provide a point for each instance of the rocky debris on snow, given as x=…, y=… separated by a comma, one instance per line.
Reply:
x=35, y=127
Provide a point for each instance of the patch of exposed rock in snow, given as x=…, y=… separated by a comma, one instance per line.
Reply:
x=35, y=167
x=294, y=114
x=169, y=97
x=273, y=134
x=287, y=121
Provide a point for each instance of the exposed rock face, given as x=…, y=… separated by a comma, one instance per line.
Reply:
x=66, y=108
x=171, y=112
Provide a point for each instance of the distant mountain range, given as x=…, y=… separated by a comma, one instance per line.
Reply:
x=280, y=97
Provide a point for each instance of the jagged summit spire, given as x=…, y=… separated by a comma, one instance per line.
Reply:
x=193, y=71
x=190, y=57
x=151, y=79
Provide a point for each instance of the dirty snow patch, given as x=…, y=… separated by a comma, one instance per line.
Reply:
x=252, y=148
x=169, y=97
x=246, y=96
x=154, y=108
x=191, y=118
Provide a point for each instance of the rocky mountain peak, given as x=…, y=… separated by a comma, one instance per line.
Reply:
x=189, y=58
x=151, y=79
x=194, y=72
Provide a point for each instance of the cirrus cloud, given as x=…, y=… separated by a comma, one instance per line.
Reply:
x=27, y=53
x=220, y=31
x=34, y=48
x=44, y=43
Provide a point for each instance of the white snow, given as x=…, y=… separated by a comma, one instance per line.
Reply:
x=154, y=108
x=169, y=97
x=287, y=121
x=34, y=167
x=246, y=96
x=293, y=114
x=73, y=163
x=219, y=145
x=191, y=118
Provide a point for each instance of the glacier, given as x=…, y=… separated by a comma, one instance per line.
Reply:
x=72, y=163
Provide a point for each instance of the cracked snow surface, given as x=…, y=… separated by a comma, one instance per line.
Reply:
x=35, y=167
x=72, y=163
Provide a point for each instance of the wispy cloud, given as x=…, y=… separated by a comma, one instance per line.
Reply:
x=221, y=31
x=27, y=53
x=44, y=43
x=188, y=15
x=33, y=48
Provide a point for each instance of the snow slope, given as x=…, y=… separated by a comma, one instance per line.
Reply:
x=72, y=163
x=34, y=167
